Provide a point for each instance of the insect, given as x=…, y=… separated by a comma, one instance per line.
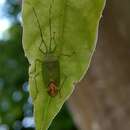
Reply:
x=50, y=62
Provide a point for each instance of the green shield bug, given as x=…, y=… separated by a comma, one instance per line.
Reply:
x=50, y=63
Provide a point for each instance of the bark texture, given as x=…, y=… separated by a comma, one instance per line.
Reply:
x=102, y=100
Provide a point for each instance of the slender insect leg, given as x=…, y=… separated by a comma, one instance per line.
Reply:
x=54, y=39
x=33, y=73
x=33, y=77
x=66, y=55
x=50, y=23
x=40, y=49
x=35, y=62
x=51, y=37
x=62, y=84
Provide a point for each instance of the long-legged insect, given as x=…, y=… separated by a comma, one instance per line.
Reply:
x=50, y=63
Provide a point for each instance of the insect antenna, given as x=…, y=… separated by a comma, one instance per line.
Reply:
x=50, y=23
x=43, y=41
x=54, y=42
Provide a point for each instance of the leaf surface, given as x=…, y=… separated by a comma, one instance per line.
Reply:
x=74, y=27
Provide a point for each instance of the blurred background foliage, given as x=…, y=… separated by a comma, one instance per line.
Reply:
x=15, y=104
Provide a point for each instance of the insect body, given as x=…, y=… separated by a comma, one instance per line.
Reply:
x=50, y=62
x=51, y=74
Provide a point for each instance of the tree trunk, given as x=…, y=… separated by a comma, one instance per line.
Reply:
x=101, y=101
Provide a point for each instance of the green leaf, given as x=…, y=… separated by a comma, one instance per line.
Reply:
x=75, y=23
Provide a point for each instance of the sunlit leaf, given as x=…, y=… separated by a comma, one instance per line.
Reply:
x=74, y=32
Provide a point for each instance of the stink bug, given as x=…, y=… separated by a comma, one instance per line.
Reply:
x=50, y=63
